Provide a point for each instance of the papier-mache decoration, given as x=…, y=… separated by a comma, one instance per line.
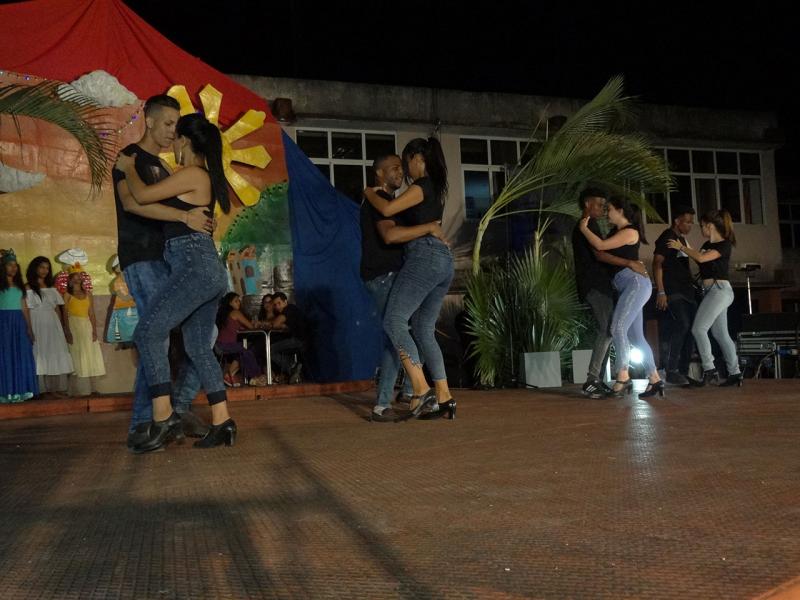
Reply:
x=73, y=260
x=14, y=180
x=252, y=120
x=104, y=89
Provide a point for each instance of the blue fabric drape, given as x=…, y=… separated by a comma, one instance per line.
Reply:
x=346, y=336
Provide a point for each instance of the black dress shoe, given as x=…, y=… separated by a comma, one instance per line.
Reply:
x=193, y=426
x=428, y=399
x=625, y=387
x=224, y=433
x=161, y=434
x=139, y=435
x=653, y=389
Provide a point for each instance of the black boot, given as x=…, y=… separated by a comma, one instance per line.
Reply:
x=224, y=433
x=161, y=433
x=732, y=380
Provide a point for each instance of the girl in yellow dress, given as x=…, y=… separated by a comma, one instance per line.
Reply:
x=81, y=330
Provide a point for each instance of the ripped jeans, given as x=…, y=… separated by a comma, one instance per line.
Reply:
x=417, y=296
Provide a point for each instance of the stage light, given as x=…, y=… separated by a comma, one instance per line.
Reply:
x=636, y=356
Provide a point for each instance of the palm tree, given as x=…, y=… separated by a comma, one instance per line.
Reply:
x=62, y=106
x=591, y=146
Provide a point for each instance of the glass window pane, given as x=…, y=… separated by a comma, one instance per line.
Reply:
x=682, y=194
x=349, y=179
x=702, y=161
x=474, y=152
x=753, y=205
x=659, y=202
x=313, y=143
x=705, y=192
x=379, y=145
x=477, y=197
x=786, y=235
x=504, y=152
x=729, y=198
x=528, y=150
x=726, y=163
x=784, y=212
x=750, y=163
x=678, y=160
x=326, y=170
x=346, y=145
x=498, y=183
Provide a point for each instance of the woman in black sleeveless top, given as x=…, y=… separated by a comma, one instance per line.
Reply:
x=712, y=314
x=197, y=281
x=627, y=323
x=424, y=279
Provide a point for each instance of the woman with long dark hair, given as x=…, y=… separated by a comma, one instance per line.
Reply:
x=231, y=320
x=197, y=281
x=53, y=360
x=627, y=322
x=17, y=366
x=422, y=283
x=712, y=314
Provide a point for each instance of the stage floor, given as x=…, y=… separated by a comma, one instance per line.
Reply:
x=527, y=494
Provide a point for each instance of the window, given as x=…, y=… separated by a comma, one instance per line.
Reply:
x=345, y=157
x=789, y=220
x=711, y=179
x=484, y=163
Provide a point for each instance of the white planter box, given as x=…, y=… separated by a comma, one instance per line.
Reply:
x=541, y=369
x=580, y=366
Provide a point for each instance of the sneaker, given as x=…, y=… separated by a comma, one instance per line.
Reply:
x=676, y=378
x=386, y=415
x=229, y=381
x=594, y=388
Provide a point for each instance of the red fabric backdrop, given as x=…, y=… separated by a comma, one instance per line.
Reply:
x=64, y=39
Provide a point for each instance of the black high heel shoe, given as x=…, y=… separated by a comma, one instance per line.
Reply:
x=710, y=376
x=653, y=389
x=447, y=409
x=732, y=380
x=161, y=433
x=427, y=399
x=615, y=392
x=224, y=433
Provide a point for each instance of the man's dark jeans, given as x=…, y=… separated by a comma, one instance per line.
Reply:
x=674, y=332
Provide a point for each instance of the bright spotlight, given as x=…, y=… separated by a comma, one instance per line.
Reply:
x=636, y=356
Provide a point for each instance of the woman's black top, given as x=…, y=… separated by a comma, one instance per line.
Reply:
x=717, y=268
x=430, y=209
x=628, y=251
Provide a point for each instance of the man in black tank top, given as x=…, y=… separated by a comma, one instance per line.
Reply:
x=382, y=240
x=593, y=282
x=141, y=248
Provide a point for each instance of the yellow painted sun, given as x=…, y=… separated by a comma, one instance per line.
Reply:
x=256, y=156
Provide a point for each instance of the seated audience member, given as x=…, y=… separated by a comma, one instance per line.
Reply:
x=288, y=337
x=231, y=320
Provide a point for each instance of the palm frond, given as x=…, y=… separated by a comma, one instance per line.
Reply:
x=67, y=109
x=591, y=146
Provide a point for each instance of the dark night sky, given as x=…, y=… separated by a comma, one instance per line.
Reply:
x=685, y=54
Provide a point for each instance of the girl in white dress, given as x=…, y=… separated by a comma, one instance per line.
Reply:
x=53, y=360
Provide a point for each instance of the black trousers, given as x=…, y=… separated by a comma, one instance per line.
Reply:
x=674, y=334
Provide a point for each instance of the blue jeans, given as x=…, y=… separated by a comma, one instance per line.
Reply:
x=627, y=323
x=380, y=287
x=417, y=295
x=713, y=314
x=144, y=279
x=189, y=298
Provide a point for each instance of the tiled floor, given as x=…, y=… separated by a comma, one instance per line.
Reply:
x=527, y=494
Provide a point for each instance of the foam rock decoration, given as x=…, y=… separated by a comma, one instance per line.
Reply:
x=14, y=180
x=104, y=89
